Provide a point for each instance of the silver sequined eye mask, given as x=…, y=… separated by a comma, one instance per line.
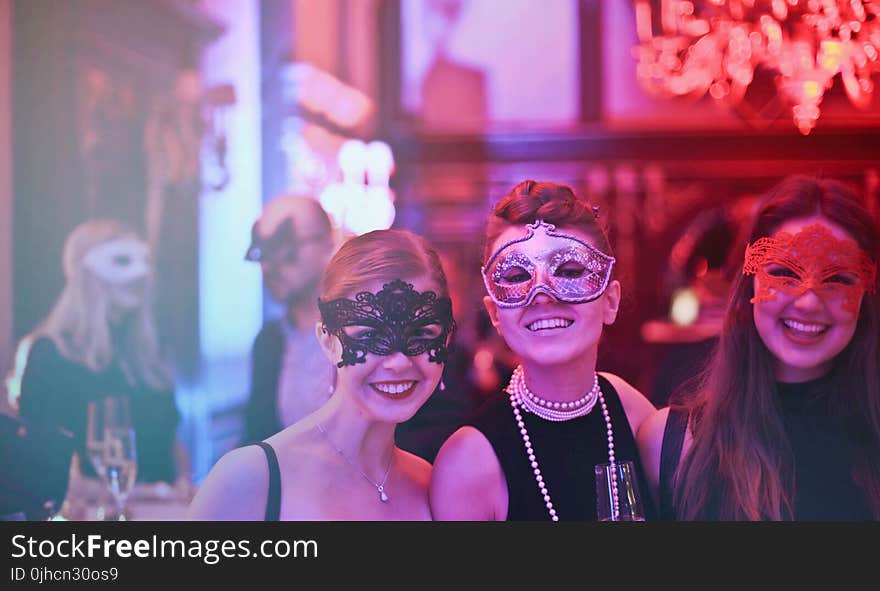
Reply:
x=563, y=267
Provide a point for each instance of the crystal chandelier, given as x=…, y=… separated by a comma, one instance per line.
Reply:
x=715, y=46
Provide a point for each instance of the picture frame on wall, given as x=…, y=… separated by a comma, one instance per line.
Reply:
x=466, y=67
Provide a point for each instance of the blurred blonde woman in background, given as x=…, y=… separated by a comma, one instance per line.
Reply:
x=100, y=339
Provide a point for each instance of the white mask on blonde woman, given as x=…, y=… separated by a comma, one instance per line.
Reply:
x=119, y=261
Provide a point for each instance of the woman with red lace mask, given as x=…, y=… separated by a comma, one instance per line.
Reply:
x=786, y=422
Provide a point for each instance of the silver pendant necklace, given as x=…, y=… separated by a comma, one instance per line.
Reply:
x=380, y=486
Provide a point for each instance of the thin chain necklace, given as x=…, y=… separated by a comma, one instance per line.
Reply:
x=519, y=393
x=380, y=486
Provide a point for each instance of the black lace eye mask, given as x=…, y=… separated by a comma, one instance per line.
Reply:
x=397, y=318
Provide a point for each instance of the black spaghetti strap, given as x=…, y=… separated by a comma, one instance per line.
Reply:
x=273, y=502
x=670, y=454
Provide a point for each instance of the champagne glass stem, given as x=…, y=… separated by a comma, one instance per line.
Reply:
x=118, y=495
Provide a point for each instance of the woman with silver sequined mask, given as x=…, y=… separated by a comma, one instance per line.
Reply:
x=386, y=323
x=530, y=453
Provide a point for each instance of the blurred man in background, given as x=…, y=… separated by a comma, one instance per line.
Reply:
x=290, y=377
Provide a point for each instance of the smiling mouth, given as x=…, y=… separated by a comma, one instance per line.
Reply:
x=549, y=324
x=396, y=390
x=804, y=330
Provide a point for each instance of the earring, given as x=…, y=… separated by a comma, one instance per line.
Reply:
x=442, y=385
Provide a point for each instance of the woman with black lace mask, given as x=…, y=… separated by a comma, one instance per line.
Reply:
x=386, y=322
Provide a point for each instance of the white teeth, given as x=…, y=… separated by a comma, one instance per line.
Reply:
x=549, y=323
x=393, y=387
x=802, y=327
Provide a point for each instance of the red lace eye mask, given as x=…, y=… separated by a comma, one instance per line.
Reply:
x=811, y=259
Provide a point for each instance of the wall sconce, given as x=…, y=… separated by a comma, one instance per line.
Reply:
x=319, y=113
x=186, y=146
x=363, y=201
x=318, y=95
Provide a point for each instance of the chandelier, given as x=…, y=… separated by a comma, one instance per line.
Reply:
x=716, y=46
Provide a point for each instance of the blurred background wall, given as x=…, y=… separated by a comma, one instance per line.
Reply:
x=6, y=206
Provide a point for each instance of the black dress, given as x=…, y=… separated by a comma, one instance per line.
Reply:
x=566, y=453
x=823, y=454
x=56, y=390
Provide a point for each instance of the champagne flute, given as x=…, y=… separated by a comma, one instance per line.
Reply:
x=120, y=452
x=95, y=428
x=621, y=482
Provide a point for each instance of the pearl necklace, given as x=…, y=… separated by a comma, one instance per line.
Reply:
x=519, y=394
x=380, y=486
x=556, y=411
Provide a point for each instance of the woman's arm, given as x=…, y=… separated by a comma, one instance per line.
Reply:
x=46, y=394
x=650, y=442
x=236, y=488
x=467, y=483
x=183, y=482
x=636, y=406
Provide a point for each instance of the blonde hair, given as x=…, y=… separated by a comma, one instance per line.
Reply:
x=79, y=323
x=381, y=255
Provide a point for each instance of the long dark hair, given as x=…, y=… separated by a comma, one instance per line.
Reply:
x=740, y=460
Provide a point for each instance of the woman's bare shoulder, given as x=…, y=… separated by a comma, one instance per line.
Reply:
x=415, y=467
x=466, y=442
x=235, y=489
x=650, y=442
x=636, y=406
x=467, y=481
